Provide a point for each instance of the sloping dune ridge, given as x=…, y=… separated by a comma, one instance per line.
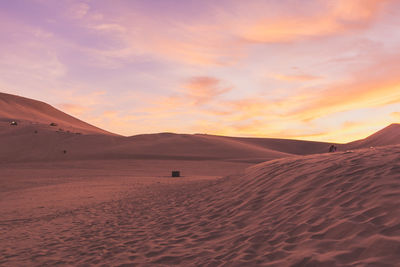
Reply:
x=338, y=209
x=387, y=136
x=37, y=114
x=288, y=146
x=22, y=144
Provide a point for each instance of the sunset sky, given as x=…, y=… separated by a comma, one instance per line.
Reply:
x=306, y=69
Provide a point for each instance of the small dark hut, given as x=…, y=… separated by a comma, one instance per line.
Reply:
x=176, y=174
x=53, y=124
x=14, y=123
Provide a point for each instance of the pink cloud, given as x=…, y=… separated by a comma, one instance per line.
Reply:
x=201, y=90
x=78, y=10
x=332, y=18
x=223, y=36
x=74, y=109
x=296, y=77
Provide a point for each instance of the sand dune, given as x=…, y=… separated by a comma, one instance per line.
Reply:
x=38, y=114
x=338, y=209
x=295, y=147
x=387, y=136
x=22, y=144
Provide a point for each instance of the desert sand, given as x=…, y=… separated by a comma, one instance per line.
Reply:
x=109, y=200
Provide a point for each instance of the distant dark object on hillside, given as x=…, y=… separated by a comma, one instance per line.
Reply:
x=53, y=124
x=176, y=174
x=35, y=131
x=14, y=123
x=332, y=148
x=65, y=151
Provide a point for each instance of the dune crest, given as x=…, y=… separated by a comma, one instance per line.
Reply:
x=389, y=135
x=38, y=114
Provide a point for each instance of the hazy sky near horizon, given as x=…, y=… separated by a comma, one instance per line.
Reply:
x=308, y=69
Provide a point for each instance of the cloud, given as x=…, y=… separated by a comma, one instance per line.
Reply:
x=374, y=86
x=28, y=56
x=195, y=93
x=331, y=18
x=299, y=114
x=110, y=114
x=192, y=45
x=78, y=10
x=295, y=77
x=222, y=34
x=201, y=90
x=74, y=109
x=395, y=115
x=111, y=27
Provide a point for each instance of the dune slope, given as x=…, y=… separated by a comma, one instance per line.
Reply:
x=338, y=209
x=21, y=144
x=296, y=147
x=30, y=112
x=332, y=209
x=387, y=136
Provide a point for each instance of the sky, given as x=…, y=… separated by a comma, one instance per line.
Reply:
x=324, y=70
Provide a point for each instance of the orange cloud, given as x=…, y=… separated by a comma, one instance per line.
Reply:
x=336, y=17
x=194, y=44
x=110, y=114
x=363, y=92
x=74, y=109
x=295, y=77
x=195, y=93
x=204, y=89
x=395, y=115
x=223, y=36
x=374, y=86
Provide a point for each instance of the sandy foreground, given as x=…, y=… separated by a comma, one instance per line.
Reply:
x=340, y=209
